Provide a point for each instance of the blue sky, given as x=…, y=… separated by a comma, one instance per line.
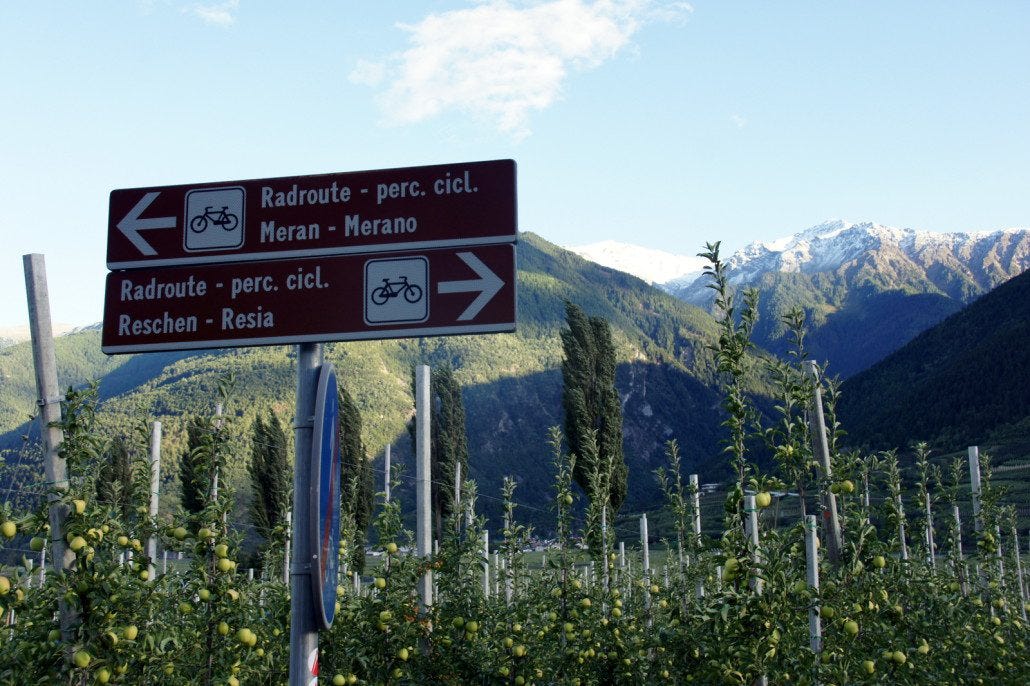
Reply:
x=647, y=121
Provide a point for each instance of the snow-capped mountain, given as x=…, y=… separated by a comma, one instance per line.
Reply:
x=866, y=289
x=958, y=265
x=654, y=266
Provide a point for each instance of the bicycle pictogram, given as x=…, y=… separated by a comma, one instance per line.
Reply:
x=223, y=218
x=392, y=289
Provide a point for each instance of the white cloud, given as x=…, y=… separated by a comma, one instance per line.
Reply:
x=503, y=60
x=739, y=120
x=220, y=14
x=368, y=73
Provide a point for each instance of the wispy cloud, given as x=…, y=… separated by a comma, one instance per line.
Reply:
x=219, y=13
x=503, y=60
x=739, y=120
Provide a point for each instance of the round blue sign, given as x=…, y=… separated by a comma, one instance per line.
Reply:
x=325, y=466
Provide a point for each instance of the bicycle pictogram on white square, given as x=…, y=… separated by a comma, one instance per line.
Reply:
x=396, y=290
x=214, y=218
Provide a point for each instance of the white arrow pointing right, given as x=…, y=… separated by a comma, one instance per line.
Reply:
x=131, y=225
x=488, y=284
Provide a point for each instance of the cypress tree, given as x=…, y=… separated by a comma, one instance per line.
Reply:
x=270, y=474
x=115, y=483
x=450, y=442
x=593, y=412
x=356, y=480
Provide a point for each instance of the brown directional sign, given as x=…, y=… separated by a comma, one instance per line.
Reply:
x=414, y=208
x=462, y=290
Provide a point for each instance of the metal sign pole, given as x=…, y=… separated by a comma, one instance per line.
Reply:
x=303, y=630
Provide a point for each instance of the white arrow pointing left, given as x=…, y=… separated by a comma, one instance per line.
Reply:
x=488, y=284
x=131, y=225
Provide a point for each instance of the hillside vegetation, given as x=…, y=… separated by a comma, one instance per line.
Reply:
x=512, y=382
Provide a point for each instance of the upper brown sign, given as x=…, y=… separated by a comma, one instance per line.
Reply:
x=412, y=208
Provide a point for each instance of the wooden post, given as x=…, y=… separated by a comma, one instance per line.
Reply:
x=386, y=468
x=821, y=448
x=49, y=401
x=423, y=479
x=155, y=486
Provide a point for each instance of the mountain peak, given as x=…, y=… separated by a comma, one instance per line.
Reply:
x=653, y=266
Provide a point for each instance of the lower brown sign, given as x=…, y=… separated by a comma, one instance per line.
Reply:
x=339, y=298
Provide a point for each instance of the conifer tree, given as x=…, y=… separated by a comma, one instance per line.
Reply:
x=270, y=474
x=593, y=412
x=450, y=441
x=115, y=482
x=356, y=479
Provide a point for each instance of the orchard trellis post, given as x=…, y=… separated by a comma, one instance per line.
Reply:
x=821, y=447
x=286, y=549
x=901, y=525
x=49, y=402
x=486, y=563
x=646, y=565
x=695, y=495
x=1019, y=571
x=155, y=486
x=815, y=628
x=973, y=453
x=931, y=558
x=751, y=524
x=423, y=480
x=386, y=474
x=960, y=567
